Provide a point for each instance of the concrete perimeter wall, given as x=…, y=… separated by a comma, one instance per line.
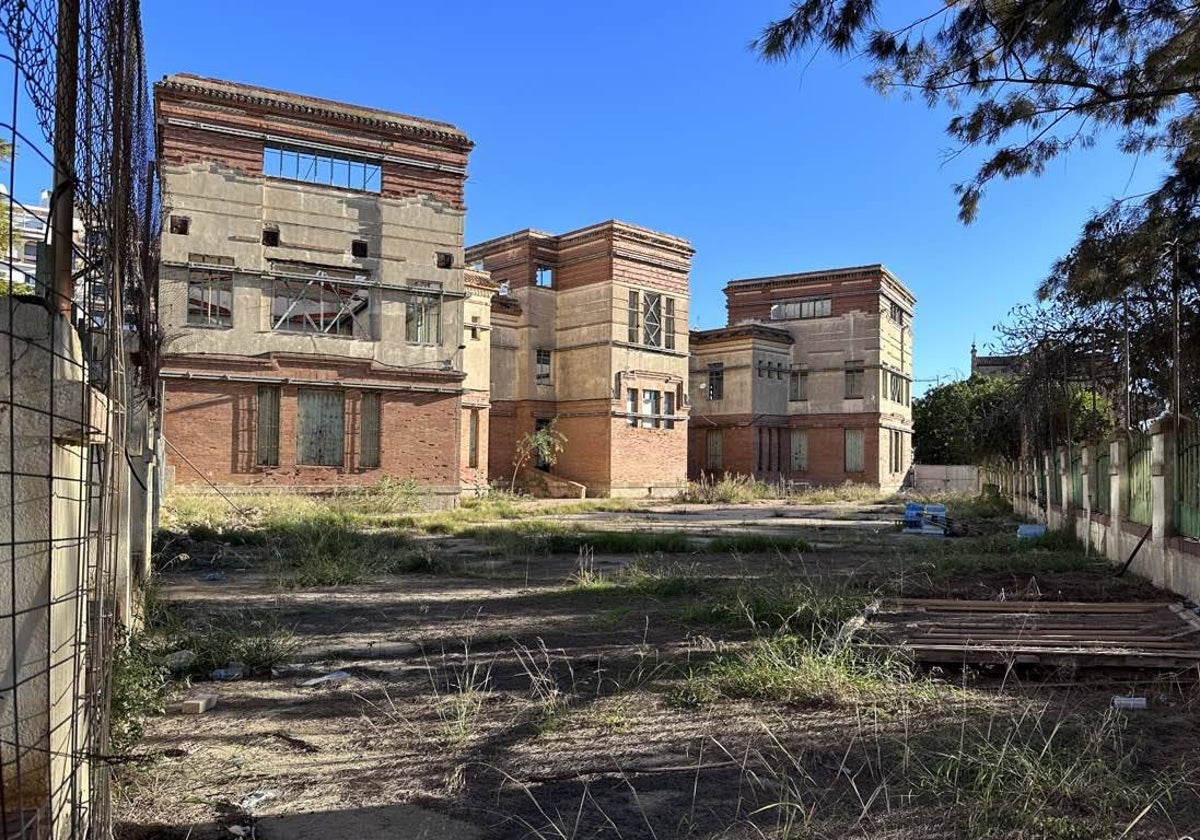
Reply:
x=1166, y=558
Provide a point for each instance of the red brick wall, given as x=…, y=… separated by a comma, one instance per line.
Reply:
x=648, y=458
x=858, y=293
x=826, y=447
x=478, y=476
x=213, y=425
x=182, y=145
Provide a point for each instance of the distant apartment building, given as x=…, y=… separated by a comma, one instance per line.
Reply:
x=810, y=382
x=313, y=294
x=591, y=330
x=29, y=242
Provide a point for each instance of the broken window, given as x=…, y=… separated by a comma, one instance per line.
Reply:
x=669, y=409
x=368, y=445
x=716, y=449
x=792, y=309
x=651, y=319
x=295, y=163
x=542, y=373
x=445, y=260
x=358, y=249
x=322, y=306
x=650, y=405
x=669, y=324
x=180, y=225
x=539, y=458
x=716, y=381
x=422, y=319
x=320, y=429
x=544, y=277
x=895, y=451
x=635, y=321
x=267, y=433
x=854, y=383
x=210, y=300
x=799, y=450
x=855, y=459
x=631, y=407
x=270, y=237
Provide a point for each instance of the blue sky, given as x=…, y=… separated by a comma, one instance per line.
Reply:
x=658, y=114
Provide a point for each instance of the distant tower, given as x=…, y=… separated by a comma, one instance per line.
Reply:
x=973, y=355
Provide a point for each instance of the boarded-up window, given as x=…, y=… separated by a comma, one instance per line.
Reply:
x=799, y=450
x=798, y=387
x=854, y=450
x=650, y=406
x=854, y=383
x=716, y=449
x=473, y=439
x=268, y=426
x=321, y=428
x=368, y=453
x=669, y=323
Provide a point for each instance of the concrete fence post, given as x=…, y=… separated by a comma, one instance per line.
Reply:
x=1064, y=482
x=1162, y=501
x=1118, y=453
x=1047, y=472
x=1085, y=467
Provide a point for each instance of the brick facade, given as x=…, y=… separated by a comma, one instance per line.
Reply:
x=808, y=358
x=564, y=346
x=334, y=293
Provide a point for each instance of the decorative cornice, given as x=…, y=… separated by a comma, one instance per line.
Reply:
x=312, y=108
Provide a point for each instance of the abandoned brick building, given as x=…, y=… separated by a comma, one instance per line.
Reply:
x=591, y=329
x=313, y=294
x=810, y=382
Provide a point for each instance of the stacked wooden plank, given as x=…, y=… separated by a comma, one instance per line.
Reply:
x=1138, y=635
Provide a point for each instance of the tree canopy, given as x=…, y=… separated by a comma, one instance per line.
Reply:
x=971, y=421
x=1027, y=80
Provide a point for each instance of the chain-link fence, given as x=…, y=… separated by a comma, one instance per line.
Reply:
x=79, y=344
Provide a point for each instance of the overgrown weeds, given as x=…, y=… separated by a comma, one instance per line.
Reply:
x=766, y=606
x=255, y=639
x=138, y=688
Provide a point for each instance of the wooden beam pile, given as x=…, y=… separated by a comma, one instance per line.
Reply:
x=1137, y=635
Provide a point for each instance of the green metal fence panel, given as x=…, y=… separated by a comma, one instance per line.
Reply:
x=1076, y=467
x=1187, y=482
x=1055, y=481
x=1102, y=481
x=1138, y=494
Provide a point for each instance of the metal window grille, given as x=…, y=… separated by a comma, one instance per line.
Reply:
x=321, y=425
x=369, y=442
x=422, y=319
x=321, y=306
x=855, y=460
x=542, y=373
x=295, y=163
x=716, y=381
x=210, y=300
x=268, y=426
x=651, y=319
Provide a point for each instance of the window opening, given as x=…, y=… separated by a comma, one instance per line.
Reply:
x=294, y=163
x=543, y=367
x=320, y=427
x=267, y=434
x=369, y=444
x=321, y=306
x=210, y=300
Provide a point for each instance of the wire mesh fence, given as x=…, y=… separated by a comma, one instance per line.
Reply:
x=78, y=342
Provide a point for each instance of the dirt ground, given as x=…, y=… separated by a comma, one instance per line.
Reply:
x=506, y=699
